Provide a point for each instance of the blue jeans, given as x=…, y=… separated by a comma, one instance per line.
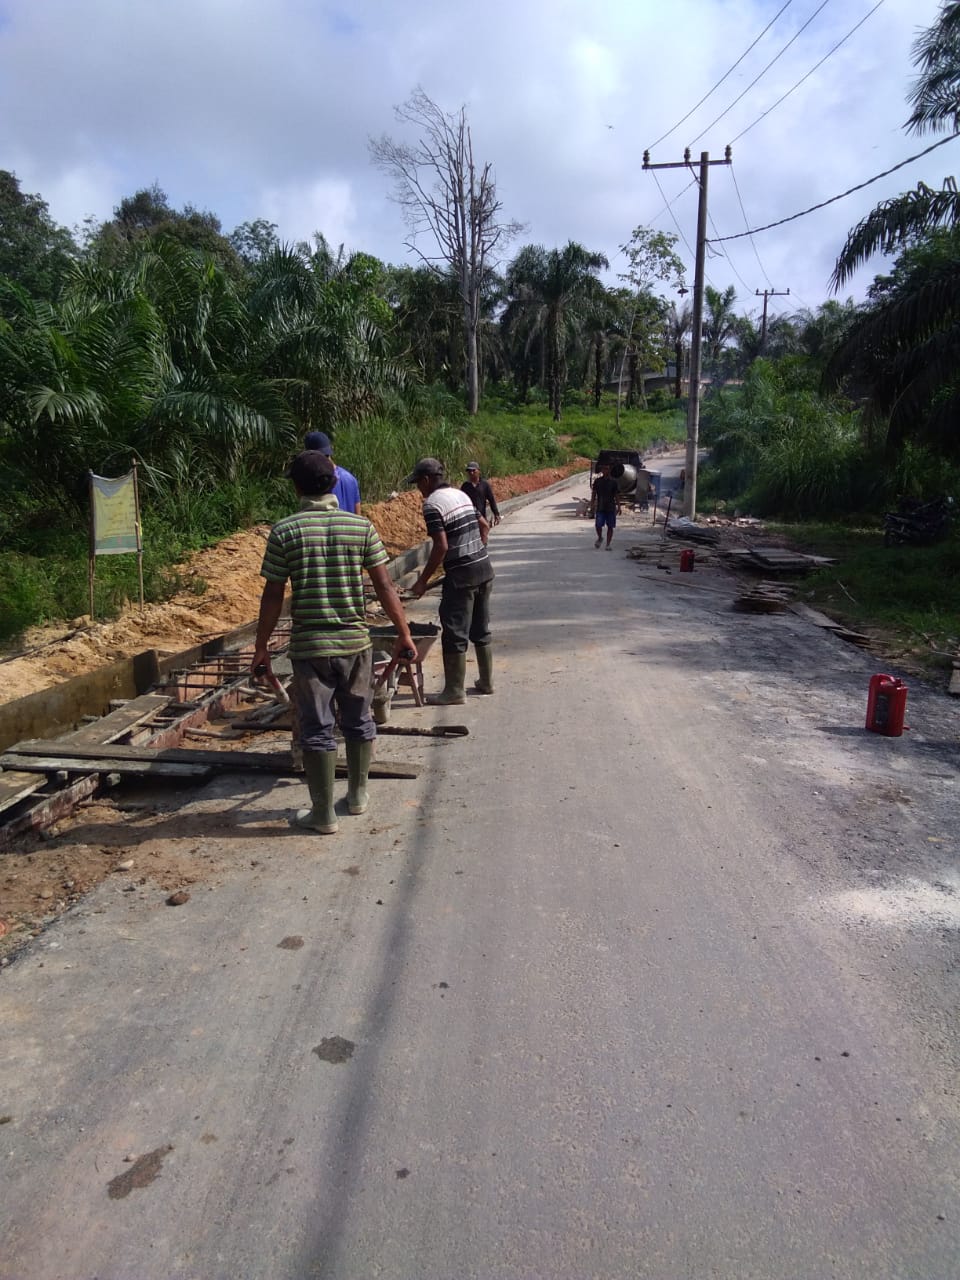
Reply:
x=608, y=518
x=318, y=684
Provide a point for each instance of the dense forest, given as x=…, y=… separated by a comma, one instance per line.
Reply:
x=207, y=355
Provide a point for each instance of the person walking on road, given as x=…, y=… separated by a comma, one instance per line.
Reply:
x=606, y=503
x=480, y=492
x=346, y=488
x=459, y=533
x=322, y=551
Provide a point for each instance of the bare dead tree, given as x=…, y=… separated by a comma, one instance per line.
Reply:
x=444, y=194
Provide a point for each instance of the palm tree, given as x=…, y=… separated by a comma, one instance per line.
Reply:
x=553, y=289
x=936, y=109
x=719, y=321
x=902, y=355
x=679, y=321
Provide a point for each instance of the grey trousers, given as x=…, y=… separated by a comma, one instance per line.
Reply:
x=318, y=684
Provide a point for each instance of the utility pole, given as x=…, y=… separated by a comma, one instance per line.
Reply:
x=768, y=293
x=696, y=342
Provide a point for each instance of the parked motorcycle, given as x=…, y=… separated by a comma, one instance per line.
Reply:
x=917, y=523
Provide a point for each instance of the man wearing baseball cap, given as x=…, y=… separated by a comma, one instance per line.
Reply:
x=480, y=493
x=346, y=488
x=323, y=552
x=459, y=533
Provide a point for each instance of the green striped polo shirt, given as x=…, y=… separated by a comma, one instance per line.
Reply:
x=323, y=551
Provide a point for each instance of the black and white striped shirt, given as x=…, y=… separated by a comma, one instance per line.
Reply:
x=450, y=511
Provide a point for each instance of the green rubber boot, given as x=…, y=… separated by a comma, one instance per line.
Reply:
x=454, y=672
x=485, y=668
x=358, y=769
x=321, y=770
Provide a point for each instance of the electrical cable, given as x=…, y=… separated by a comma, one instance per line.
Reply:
x=809, y=73
x=670, y=203
x=693, y=256
x=716, y=240
x=843, y=194
x=794, y=37
x=722, y=78
x=746, y=223
x=726, y=254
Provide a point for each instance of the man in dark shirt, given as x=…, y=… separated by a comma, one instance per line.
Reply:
x=479, y=492
x=606, y=501
x=459, y=534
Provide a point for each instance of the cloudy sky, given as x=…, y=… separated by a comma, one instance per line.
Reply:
x=264, y=108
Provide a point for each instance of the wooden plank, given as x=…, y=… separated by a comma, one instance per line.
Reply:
x=48, y=809
x=54, y=763
x=954, y=686
x=107, y=759
x=815, y=616
x=15, y=787
x=118, y=722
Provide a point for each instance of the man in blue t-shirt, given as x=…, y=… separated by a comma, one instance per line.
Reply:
x=346, y=489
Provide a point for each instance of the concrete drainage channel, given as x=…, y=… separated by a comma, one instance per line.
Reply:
x=129, y=718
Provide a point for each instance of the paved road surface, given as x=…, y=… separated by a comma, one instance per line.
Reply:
x=591, y=998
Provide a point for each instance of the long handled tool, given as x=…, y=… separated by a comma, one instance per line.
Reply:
x=663, y=536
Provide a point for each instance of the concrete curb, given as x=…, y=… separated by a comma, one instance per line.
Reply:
x=410, y=562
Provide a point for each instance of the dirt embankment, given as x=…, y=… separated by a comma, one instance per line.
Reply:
x=225, y=594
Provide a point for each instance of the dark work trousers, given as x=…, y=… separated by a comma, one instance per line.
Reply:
x=464, y=616
x=318, y=683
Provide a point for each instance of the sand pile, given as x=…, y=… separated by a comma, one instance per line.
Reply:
x=223, y=593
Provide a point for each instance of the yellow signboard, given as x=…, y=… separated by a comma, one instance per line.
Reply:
x=116, y=524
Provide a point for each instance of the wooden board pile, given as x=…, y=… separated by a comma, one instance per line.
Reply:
x=775, y=560
x=764, y=597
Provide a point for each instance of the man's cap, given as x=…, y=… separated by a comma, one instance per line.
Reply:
x=318, y=442
x=312, y=472
x=473, y=466
x=425, y=467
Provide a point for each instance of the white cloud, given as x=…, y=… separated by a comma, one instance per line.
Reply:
x=325, y=204
x=264, y=109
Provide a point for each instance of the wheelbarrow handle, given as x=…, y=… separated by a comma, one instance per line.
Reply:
x=405, y=655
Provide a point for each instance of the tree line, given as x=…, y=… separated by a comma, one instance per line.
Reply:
x=207, y=354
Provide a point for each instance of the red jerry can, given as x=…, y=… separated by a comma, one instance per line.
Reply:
x=886, y=705
x=687, y=558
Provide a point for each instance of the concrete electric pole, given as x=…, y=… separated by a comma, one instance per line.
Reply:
x=696, y=342
x=768, y=293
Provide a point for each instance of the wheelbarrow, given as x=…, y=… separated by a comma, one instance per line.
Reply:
x=389, y=674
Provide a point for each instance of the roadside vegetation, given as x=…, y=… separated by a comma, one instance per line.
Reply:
x=206, y=356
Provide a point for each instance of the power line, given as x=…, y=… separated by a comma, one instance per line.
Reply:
x=716, y=240
x=725, y=254
x=810, y=72
x=746, y=223
x=794, y=37
x=849, y=192
x=670, y=203
x=722, y=78
x=673, y=215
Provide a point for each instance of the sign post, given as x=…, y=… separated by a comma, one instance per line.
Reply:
x=115, y=522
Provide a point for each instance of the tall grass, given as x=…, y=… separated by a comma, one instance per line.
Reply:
x=777, y=447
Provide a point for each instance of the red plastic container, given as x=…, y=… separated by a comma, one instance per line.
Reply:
x=687, y=559
x=886, y=705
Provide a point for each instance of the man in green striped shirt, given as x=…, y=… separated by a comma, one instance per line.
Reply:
x=323, y=551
